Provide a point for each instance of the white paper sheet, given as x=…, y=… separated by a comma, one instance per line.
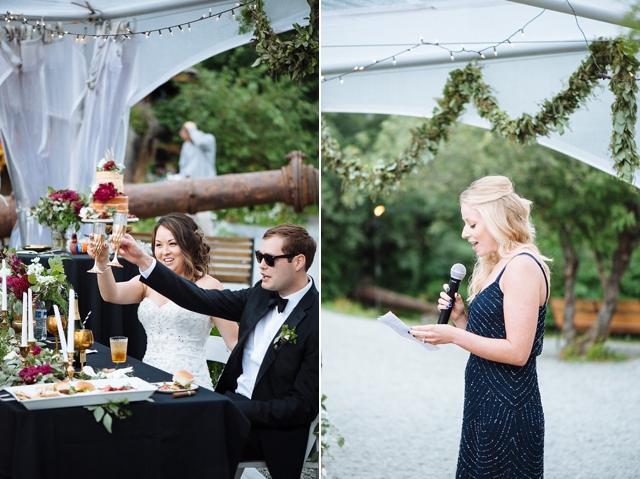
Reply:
x=403, y=330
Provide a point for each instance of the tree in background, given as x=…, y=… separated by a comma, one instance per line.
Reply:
x=256, y=120
x=583, y=215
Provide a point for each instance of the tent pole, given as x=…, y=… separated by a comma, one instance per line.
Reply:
x=587, y=11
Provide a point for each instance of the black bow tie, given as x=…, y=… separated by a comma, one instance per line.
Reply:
x=276, y=299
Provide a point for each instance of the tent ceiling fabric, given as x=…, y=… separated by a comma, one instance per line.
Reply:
x=79, y=93
x=374, y=33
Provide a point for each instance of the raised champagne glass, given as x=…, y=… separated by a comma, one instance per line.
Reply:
x=99, y=231
x=117, y=233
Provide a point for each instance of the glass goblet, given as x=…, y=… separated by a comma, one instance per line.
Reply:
x=99, y=231
x=83, y=339
x=118, y=231
x=52, y=327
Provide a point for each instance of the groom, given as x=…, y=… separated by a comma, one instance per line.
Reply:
x=273, y=372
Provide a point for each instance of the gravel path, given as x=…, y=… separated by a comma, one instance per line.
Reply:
x=399, y=407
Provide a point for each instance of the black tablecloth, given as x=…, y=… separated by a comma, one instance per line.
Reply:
x=201, y=436
x=106, y=319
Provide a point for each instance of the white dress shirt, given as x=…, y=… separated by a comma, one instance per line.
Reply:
x=261, y=338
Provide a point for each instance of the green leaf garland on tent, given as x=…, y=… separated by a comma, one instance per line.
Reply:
x=466, y=85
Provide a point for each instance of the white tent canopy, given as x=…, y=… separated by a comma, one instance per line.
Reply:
x=394, y=57
x=65, y=98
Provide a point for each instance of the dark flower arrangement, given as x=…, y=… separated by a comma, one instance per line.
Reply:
x=105, y=192
x=59, y=209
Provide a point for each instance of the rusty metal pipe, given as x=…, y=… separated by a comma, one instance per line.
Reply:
x=296, y=184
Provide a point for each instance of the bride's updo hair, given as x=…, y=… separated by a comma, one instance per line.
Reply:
x=193, y=246
x=507, y=218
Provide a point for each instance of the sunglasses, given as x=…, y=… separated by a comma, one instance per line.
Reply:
x=270, y=259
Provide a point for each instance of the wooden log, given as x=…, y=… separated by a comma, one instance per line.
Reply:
x=625, y=320
x=295, y=184
x=369, y=293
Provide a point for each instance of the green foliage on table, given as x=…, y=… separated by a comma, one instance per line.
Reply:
x=256, y=121
x=50, y=284
x=11, y=362
x=466, y=86
x=106, y=412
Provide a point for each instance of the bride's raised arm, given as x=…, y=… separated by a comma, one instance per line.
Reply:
x=125, y=292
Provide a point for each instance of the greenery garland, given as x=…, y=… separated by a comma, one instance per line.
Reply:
x=297, y=56
x=466, y=85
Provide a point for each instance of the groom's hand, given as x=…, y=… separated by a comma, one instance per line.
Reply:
x=132, y=252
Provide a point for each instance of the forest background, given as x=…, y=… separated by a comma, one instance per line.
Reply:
x=580, y=213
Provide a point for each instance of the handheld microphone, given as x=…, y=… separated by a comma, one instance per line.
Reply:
x=458, y=272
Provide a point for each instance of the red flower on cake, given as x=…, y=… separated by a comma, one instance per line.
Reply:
x=105, y=192
x=110, y=166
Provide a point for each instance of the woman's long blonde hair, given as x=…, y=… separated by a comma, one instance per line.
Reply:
x=506, y=216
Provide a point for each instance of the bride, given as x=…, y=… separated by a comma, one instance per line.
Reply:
x=176, y=337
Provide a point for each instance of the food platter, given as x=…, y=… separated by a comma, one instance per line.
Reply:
x=38, y=248
x=142, y=390
x=171, y=391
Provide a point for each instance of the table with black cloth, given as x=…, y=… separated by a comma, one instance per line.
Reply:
x=106, y=319
x=200, y=436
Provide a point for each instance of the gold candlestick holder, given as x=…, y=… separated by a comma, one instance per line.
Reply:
x=5, y=323
x=69, y=366
x=24, y=352
x=32, y=344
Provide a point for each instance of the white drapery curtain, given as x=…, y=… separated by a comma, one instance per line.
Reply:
x=57, y=116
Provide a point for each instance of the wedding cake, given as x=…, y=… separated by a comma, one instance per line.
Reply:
x=107, y=192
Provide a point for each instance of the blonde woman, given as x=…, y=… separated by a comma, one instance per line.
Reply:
x=176, y=337
x=503, y=422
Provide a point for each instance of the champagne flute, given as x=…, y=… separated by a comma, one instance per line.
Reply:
x=118, y=231
x=99, y=231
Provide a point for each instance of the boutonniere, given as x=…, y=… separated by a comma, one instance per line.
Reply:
x=286, y=336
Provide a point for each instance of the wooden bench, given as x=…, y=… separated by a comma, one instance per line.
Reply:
x=231, y=260
x=626, y=318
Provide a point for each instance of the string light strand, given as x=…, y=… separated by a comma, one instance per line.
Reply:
x=45, y=29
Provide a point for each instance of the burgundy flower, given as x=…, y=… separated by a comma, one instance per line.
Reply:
x=18, y=284
x=105, y=192
x=30, y=374
x=109, y=166
x=36, y=350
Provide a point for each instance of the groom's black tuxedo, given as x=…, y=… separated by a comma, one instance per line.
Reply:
x=285, y=398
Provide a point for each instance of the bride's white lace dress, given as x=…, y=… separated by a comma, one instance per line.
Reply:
x=176, y=339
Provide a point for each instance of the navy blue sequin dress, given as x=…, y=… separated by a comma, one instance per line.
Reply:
x=503, y=422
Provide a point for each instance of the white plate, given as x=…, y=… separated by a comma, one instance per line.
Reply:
x=141, y=392
x=171, y=391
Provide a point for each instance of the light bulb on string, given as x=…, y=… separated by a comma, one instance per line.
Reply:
x=189, y=26
x=394, y=60
x=160, y=33
x=481, y=54
x=146, y=35
x=495, y=52
x=510, y=44
x=170, y=31
x=218, y=17
x=209, y=13
x=233, y=13
x=180, y=28
x=451, y=55
x=436, y=41
x=341, y=80
x=361, y=68
x=522, y=33
x=421, y=39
